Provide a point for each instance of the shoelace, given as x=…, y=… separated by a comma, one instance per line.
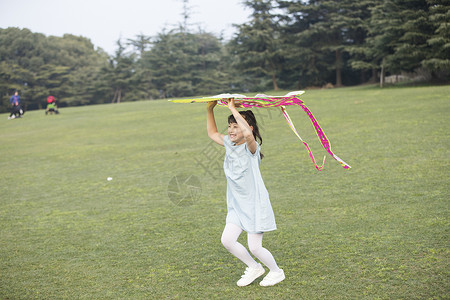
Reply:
x=247, y=271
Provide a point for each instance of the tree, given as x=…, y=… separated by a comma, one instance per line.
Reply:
x=411, y=47
x=185, y=64
x=324, y=33
x=438, y=58
x=306, y=63
x=169, y=60
x=119, y=76
x=257, y=43
x=211, y=75
x=36, y=65
x=399, y=36
x=141, y=43
x=75, y=66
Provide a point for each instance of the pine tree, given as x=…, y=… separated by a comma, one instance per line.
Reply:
x=119, y=76
x=257, y=43
x=185, y=64
x=399, y=35
x=438, y=58
x=324, y=33
x=305, y=63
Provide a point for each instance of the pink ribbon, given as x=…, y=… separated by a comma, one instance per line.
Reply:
x=285, y=101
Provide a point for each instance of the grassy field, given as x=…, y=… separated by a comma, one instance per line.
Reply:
x=377, y=231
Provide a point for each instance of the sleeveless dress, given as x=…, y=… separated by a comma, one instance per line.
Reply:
x=248, y=201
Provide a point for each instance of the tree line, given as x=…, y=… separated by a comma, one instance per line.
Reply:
x=284, y=44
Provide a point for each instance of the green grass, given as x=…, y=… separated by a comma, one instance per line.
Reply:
x=377, y=231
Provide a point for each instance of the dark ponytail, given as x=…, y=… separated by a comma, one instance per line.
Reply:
x=251, y=120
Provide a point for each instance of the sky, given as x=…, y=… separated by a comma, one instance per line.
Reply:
x=105, y=21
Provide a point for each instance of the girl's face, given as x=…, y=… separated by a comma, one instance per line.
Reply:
x=235, y=134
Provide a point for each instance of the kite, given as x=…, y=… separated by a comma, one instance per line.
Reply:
x=262, y=100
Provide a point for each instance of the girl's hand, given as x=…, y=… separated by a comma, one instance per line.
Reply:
x=211, y=126
x=231, y=103
x=211, y=104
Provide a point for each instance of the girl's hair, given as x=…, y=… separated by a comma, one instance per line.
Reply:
x=251, y=120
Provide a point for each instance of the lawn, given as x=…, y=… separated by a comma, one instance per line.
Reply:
x=377, y=231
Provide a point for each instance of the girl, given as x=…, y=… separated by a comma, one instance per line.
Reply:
x=248, y=201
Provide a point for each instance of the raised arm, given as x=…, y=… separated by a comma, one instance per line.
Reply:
x=211, y=124
x=246, y=129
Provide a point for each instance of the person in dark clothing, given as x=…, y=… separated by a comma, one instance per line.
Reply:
x=16, y=108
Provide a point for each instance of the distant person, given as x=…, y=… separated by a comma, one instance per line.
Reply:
x=51, y=106
x=16, y=108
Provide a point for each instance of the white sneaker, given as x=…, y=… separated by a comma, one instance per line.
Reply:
x=250, y=275
x=273, y=278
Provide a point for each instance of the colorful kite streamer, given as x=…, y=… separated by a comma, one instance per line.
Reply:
x=261, y=100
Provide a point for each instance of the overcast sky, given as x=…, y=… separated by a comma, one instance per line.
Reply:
x=104, y=21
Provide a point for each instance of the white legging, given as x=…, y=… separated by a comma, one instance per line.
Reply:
x=229, y=240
